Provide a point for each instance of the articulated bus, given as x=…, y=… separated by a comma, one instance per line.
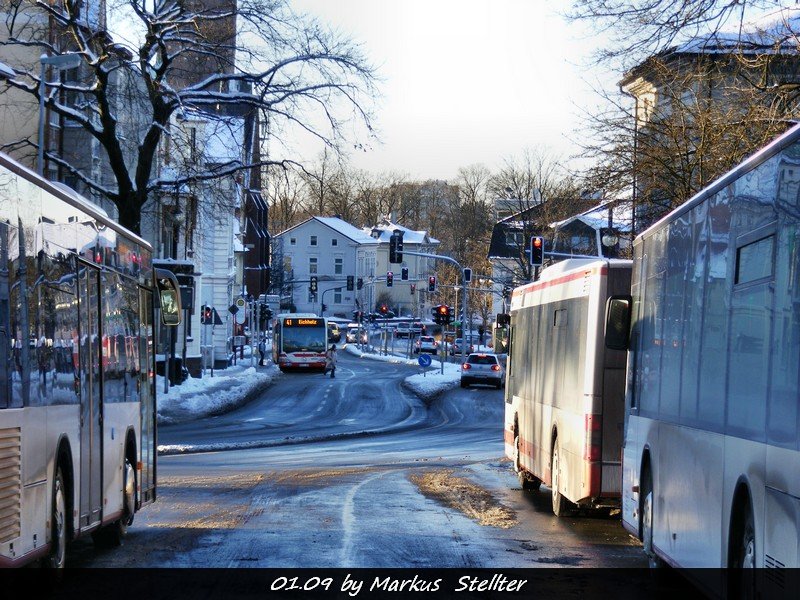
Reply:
x=711, y=473
x=564, y=390
x=299, y=341
x=77, y=388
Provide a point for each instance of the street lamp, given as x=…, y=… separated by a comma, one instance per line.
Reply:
x=69, y=60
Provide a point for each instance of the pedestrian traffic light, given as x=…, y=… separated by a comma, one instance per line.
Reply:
x=404, y=274
x=396, y=247
x=360, y=283
x=389, y=278
x=537, y=251
x=312, y=285
x=350, y=283
x=431, y=283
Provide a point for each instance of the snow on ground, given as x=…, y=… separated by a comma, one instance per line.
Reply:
x=232, y=387
x=196, y=397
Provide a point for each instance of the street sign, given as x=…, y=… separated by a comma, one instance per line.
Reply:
x=233, y=309
x=424, y=360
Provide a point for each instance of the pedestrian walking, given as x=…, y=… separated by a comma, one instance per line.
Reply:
x=330, y=361
x=262, y=351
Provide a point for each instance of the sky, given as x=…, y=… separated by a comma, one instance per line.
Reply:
x=464, y=81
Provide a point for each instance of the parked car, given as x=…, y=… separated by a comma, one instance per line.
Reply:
x=482, y=368
x=458, y=343
x=426, y=343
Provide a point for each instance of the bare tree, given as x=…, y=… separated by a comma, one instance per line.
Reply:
x=263, y=58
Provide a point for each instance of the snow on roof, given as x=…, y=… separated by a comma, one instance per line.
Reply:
x=597, y=217
x=410, y=236
x=346, y=229
x=774, y=32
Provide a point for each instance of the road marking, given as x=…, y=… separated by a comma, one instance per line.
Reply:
x=349, y=521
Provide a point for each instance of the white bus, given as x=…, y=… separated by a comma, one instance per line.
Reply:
x=299, y=341
x=77, y=391
x=564, y=391
x=711, y=472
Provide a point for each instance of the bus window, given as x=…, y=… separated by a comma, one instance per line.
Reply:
x=618, y=322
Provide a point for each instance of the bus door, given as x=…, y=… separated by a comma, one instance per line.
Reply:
x=91, y=395
x=147, y=397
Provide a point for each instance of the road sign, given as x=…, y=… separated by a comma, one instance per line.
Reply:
x=424, y=360
x=233, y=309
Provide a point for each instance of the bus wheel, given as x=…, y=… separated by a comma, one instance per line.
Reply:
x=58, y=540
x=646, y=512
x=561, y=506
x=113, y=534
x=526, y=481
x=743, y=556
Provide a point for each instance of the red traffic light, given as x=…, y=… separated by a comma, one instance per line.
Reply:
x=442, y=309
x=384, y=309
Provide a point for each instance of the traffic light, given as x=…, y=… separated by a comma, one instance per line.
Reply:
x=431, y=283
x=537, y=251
x=396, y=247
x=413, y=288
x=451, y=314
x=389, y=278
x=206, y=315
x=324, y=307
x=404, y=274
x=360, y=283
x=467, y=275
x=312, y=285
x=384, y=309
x=506, y=293
x=350, y=283
x=441, y=314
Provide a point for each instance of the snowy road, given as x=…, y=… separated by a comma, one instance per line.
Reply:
x=354, y=472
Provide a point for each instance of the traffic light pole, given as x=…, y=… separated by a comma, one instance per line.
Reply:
x=463, y=285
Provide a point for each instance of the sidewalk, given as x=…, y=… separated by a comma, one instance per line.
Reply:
x=237, y=385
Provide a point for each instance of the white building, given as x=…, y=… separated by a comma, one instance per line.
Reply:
x=331, y=250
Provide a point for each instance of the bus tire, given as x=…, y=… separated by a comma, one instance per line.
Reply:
x=57, y=559
x=112, y=535
x=742, y=561
x=526, y=481
x=646, y=517
x=561, y=506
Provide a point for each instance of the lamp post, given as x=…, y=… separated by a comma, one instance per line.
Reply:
x=60, y=62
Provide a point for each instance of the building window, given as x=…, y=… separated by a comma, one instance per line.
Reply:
x=312, y=265
x=334, y=242
x=313, y=240
x=338, y=266
x=292, y=241
x=337, y=296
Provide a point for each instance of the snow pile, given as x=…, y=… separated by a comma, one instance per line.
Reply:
x=197, y=397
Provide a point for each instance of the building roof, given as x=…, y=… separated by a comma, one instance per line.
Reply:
x=597, y=216
x=340, y=226
x=383, y=231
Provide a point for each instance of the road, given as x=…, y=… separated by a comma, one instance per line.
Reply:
x=354, y=472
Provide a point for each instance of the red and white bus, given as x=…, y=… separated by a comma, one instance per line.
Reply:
x=711, y=472
x=77, y=387
x=299, y=341
x=564, y=391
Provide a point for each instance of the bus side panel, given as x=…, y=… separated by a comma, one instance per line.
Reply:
x=689, y=486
